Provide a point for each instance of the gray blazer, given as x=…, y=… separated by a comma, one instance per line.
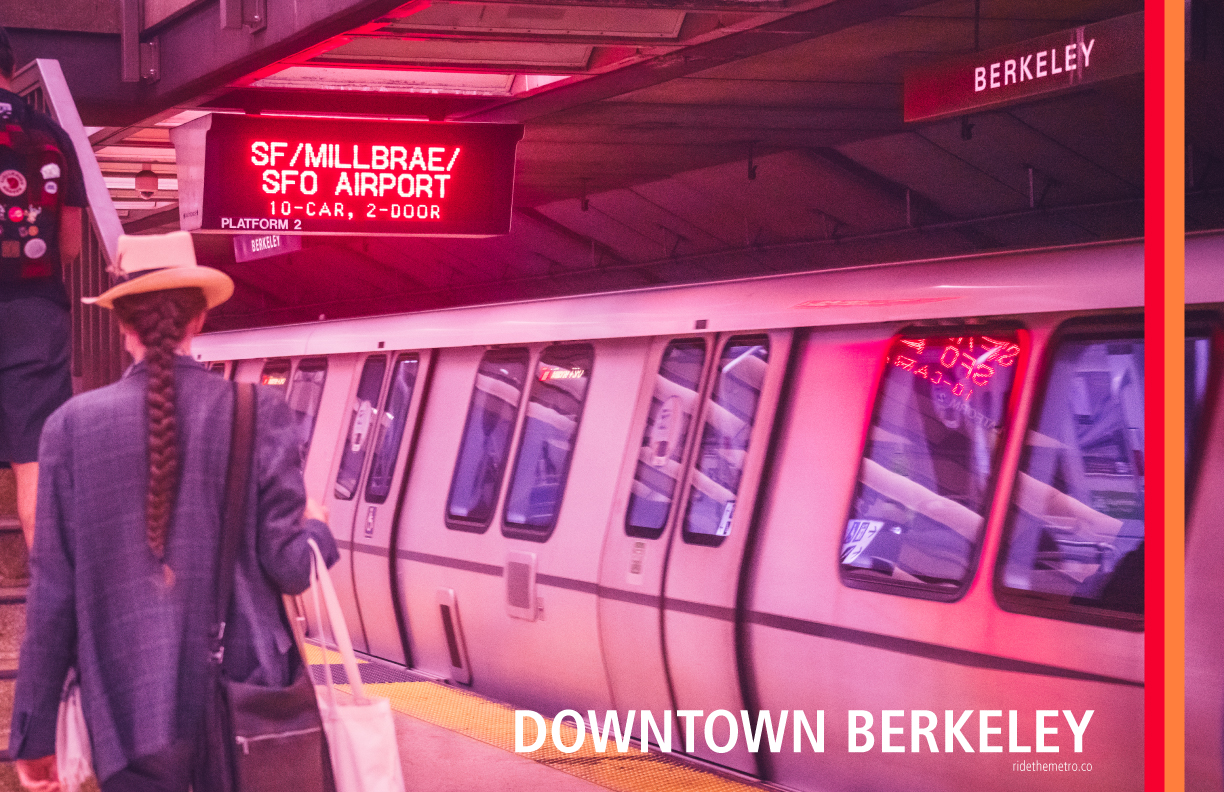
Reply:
x=98, y=598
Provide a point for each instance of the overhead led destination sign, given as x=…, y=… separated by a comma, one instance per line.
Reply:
x=249, y=174
x=1057, y=62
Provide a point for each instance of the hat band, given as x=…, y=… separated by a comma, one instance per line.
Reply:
x=134, y=275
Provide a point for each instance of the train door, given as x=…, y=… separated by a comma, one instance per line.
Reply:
x=377, y=500
x=369, y=459
x=642, y=515
x=348, y=470
x=714, y=514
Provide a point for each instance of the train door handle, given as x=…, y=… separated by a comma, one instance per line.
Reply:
x=448, y=607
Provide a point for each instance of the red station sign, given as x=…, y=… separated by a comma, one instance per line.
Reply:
x=1057, y=62
x=258, y=175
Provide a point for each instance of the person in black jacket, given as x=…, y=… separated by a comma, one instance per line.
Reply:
x=41, y=198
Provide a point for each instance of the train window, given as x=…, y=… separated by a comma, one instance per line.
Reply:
x=719, y=464
x=667, y=429
x=305, y=393
x=361, y=422
x=541, y=466
x=486, y=439
x=1204, y=338
x=276, y=374
x=391, y=428
x=929, y=463
x=1073, y=548
x=1198, y=365
x=217, y=367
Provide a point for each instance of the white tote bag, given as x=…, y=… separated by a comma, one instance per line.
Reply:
x=360, y=734
x=73, y=757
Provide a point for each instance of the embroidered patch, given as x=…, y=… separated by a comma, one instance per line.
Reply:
x=50, y=171
x=35, y=248
x=12, y=183
x=15, y=214
x=51, y=187
x=10, y=248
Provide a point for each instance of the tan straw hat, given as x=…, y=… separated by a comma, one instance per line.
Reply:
x=162, y=261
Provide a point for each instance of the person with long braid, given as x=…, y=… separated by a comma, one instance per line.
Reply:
x=130, y=502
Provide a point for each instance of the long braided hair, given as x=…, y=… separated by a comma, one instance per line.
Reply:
x=159, y=319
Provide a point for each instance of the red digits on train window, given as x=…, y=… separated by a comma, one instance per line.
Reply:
x=1009, y=355
x=959, y=351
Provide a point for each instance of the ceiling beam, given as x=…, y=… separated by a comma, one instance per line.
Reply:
x=794, y=29
x=356, y=103
x=923, y=210
x=198, y=57
x=151, y=219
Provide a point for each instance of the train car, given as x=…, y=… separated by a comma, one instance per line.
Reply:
x=906, y=494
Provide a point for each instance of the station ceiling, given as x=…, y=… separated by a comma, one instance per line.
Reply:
x=666, y=142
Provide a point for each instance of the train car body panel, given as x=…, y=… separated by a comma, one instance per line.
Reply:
x=921, y=654
x=1006, y=283
x=573, y=576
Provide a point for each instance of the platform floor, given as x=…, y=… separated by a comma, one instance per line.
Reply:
x=452, y=740
x=469, y=738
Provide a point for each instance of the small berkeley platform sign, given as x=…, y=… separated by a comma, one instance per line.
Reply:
x=1088, y=54
x=248, y=174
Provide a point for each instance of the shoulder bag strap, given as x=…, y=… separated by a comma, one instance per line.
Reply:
x=236, y=487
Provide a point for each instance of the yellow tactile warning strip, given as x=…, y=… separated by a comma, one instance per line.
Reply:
x=317, y=655
x=493, y=723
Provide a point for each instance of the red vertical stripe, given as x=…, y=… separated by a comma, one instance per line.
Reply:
x=1154, y=239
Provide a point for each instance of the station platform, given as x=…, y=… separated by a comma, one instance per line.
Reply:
x=453, y=739
x=450, y=739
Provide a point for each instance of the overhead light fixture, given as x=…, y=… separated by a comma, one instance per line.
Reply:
x=146, y=182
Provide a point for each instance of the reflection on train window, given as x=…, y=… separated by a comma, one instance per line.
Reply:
x=361, y=423
x=1074, y=545
x=305, y=392
x=486, y=439
x=925, y=484
x=667, y=429
x=1198, y=371
x=217, y=367
x=391, y=429
x=276, y=374
x=543, y=460
x=719, y=464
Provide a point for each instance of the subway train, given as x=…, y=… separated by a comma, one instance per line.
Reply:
x=911, y=490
